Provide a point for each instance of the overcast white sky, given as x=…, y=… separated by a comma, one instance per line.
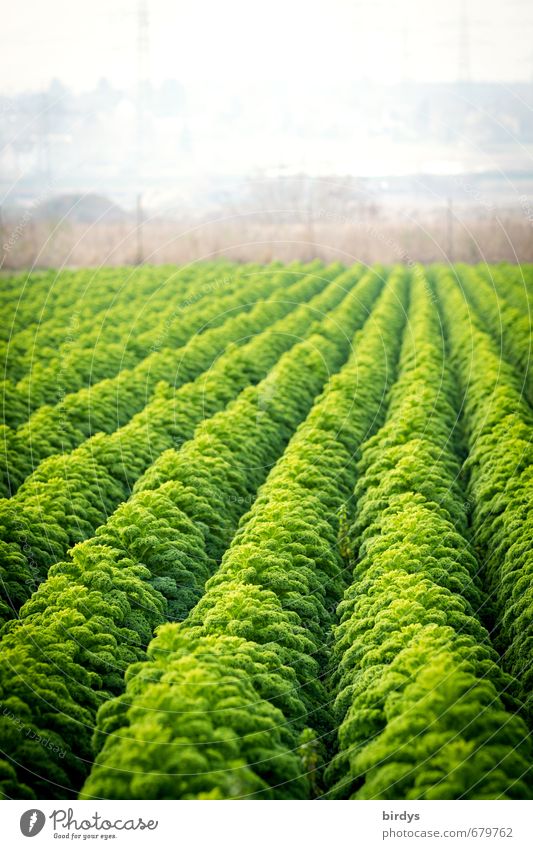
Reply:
x=80, y=41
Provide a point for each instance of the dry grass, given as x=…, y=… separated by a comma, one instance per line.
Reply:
x=259, y=238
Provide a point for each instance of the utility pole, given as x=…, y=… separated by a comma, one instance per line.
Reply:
x=464, y=44
x=405, y=50
x=142, y=98
x=44, y=139
x=139, y=231
x=309, y=214
x=449, y=231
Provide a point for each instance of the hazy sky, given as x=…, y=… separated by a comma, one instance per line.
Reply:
x=80, y=41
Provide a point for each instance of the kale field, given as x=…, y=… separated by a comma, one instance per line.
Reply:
x=265, y=532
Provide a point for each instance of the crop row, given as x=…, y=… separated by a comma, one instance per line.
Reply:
x=92, y=296
x=499, y=426
x=109, y=404
x=510, y=327
x=83, y=360
x=95, y=613
x=69, y=495
x=420, y=701
x=95, y=318
x=514, y=283
x=34, y=299
x=239, y=589
x=231, y=702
